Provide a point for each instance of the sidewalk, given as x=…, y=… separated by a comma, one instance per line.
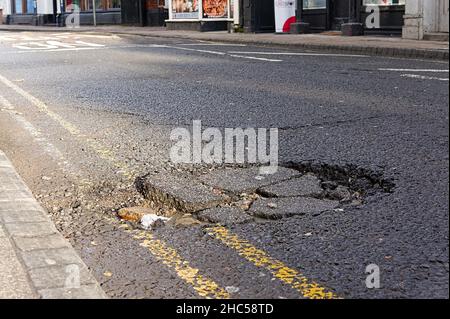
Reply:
x=35, y=260
x=369, y=45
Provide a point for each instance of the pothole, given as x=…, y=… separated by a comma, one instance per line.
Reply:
x=231, y=195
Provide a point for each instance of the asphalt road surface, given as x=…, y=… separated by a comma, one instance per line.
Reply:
x=75, y=107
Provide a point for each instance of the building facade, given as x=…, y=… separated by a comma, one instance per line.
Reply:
x=326, y=15
x=414, y=19
x=54, y=12
x=426, y=19
x=201, y=15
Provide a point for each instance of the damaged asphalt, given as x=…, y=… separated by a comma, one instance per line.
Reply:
x=331, y=111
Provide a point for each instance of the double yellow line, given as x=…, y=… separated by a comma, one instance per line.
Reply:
x=204, y=286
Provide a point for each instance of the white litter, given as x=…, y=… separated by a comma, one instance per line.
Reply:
x=232, y=289
x=148, y=221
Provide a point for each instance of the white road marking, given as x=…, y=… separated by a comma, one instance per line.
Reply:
x=223, y=54
x=195, y=50
x=34, y=46
x=415, y=70
x=80, y=49
x=7, y=107
x=423, y=77
x=56, y=50
x=89, y=44
x=213, y=44
x=254, y=58
x=60, y=44
x=6, y=38
x=299, y=54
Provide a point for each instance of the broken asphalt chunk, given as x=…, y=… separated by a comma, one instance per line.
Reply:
x=306, y=185
x=245, y=180
x=224, y=216
x=278, y=208
x=181, y=192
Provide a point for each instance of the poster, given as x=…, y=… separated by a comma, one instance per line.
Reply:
x=185, y=9
x=284, y=15
x=215, y=8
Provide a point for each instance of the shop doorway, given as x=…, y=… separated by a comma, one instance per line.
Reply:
x=265, y=16
x=443, y=16
x=339, y=12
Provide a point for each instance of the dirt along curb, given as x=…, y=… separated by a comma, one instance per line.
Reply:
x=36, y=260
x=363, y=45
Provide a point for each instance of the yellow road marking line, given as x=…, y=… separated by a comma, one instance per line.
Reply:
x=104, y=152
x=43, y=143
x=204, y=287
x=308, y=289
x=169, y=256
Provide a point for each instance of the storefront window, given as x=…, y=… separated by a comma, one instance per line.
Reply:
x=185, y=9
x=215, y=8
x=87, y=5
x=383, y=2
x=314, y=4
x=24, y=6
x=211, y=9
x=18, y=6
x=155, y=4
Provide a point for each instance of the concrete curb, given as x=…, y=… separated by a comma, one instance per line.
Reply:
x=388, y=51
x=375, y=51
x=48, y=266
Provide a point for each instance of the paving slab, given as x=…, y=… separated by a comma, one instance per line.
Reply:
x=31, y=229
x=14, y=195
x=28, y=204
x=36, y=261
x=44, y=242
x=60, y=276
x=23, y=216
x=245, y=180
x=278, y=208
x=84, y=292
x=306, y=185
x=178, y=191
x=225, y=216
x=14, y=283
x=50, y=257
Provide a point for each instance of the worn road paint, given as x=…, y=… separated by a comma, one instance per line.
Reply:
x=195, y=50
x=103, y=152
x=423, y=77
x=44, y=144
x=254, y=58
x=308, y=289
x=223, y=54
x=203, y=286
x=169, y=256
x=300, y=54
x=415, y=70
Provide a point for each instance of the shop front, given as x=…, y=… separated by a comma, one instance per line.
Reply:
x=23, y=12
x=106, y=11
x=43, y=12
x=377, y=16
x=200, y=15
x=145, y=12
x=326, y=15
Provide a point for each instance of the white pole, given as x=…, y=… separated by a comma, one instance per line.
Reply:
x=94, y=12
